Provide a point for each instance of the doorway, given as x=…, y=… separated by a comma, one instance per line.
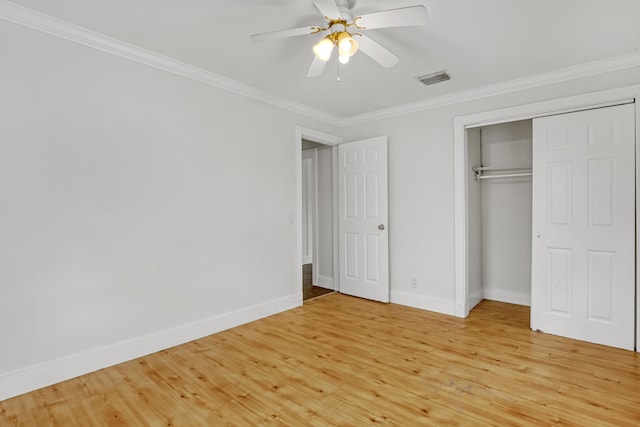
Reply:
x=360, y=215
x=462, y=166
x=598, y=288
x=329, y=142
x=500, y=214
x=317, y=220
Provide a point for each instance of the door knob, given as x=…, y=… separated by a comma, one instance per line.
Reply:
x=381, y=227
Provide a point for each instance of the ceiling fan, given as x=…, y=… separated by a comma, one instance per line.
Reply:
x=343, y=30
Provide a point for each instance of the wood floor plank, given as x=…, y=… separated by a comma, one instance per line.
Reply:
x=339, y=360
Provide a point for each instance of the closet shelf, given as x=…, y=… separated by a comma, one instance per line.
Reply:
x=513, y=171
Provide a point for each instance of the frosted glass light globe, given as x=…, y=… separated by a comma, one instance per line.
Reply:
x=323, y=49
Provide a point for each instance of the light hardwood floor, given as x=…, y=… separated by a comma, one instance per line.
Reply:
x=345, y=361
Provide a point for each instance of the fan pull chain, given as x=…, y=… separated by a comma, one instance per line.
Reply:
x=338, y=78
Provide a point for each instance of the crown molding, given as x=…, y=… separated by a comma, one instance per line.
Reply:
x=21, y=15
x=538, y=80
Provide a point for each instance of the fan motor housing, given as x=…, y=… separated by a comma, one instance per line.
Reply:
x=346, y=3
x=345, y=6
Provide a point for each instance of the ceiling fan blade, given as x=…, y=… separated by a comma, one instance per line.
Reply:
x=316, y=68
x=375, y=51
x=403, y=17
x=281, y=34
x=328, y=8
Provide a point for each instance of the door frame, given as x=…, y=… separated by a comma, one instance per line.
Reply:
x=333, y=141
x=524, y=112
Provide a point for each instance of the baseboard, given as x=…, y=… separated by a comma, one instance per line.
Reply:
x=307, y=260
x=439, y=305
x=325, y=282
x=475, y=298
x=508, y=296
x=52, y=372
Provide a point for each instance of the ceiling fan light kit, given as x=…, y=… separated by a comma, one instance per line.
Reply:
x=347, y=46
x=323, y=49
x=338, y=13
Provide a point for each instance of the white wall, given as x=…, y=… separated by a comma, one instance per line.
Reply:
x=421, y=183
x=138, y=209
x=506, y=215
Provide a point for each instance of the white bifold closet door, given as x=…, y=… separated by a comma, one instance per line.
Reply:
x=583, y=248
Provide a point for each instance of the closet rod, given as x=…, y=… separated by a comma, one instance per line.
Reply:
x=501, y=168
x=508, y=175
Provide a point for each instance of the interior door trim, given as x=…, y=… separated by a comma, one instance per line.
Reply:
x=505, y=115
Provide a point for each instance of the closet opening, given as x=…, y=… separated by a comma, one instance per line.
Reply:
x=499, y=203
x=584, y=208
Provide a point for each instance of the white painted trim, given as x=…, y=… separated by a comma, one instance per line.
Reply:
x=460, y=217
x=438, y=305
x=637, y=343
x=318, y=136
x=48, y=373
x=476, y=298
x=564, y=74
x=546, y=108
x=322, y=138
x=297, y=216
x=21, y=15
x=522, y=112
x=315, y=254
x=24, y=16
x=336, y=219
x=325, y=282
x=508, y=296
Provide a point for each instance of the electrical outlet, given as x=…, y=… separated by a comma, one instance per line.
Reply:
x=413, y=282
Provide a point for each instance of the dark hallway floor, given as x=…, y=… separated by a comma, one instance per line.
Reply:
x=308, y=290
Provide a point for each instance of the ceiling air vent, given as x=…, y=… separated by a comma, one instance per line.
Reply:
x=429, y=79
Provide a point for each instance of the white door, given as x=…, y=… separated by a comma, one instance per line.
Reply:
x=583, y=249
x=363, y=219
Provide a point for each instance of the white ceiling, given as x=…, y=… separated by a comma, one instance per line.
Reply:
x=479, y=42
